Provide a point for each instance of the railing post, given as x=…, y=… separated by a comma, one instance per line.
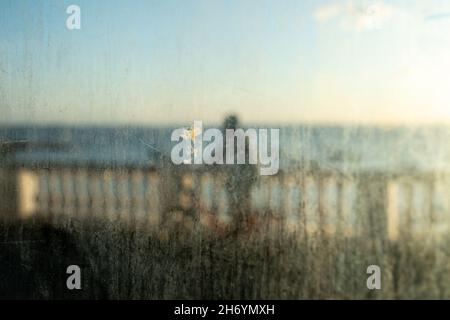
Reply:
x=18, y=192
x=392, y=211
x=28, y=188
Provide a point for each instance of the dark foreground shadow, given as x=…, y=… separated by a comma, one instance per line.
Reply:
x=34, y=258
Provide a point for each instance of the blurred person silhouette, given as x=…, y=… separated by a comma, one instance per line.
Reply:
x=239, y=181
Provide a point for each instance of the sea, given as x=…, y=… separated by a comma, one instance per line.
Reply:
x=343, y=148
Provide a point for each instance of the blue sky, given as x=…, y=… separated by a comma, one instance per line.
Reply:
x=157, y=62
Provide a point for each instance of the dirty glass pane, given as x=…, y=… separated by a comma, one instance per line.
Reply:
x=224, y=149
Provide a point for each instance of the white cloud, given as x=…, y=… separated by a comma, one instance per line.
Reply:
x=372, y=15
